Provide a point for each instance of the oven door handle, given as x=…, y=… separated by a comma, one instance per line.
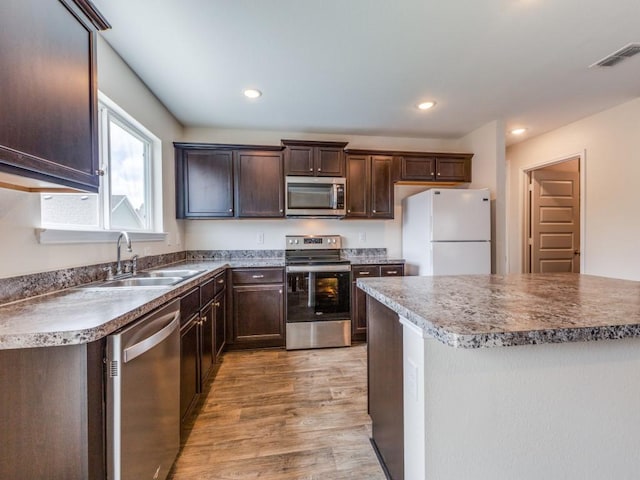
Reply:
x=318, y=268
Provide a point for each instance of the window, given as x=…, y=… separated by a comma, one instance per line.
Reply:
x=127, y=194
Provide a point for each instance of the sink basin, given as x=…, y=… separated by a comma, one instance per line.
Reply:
x=152, y=278
x=139, y=282
x=171, y=273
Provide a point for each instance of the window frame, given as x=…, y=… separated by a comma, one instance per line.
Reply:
x=105, y=232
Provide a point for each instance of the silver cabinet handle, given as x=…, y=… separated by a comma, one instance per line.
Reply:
x=221, y=280
x=364, y=273
x=392, y=271
x=257, y=276
x=217, y=304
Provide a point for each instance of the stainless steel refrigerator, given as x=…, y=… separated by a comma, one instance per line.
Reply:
x=447, y=232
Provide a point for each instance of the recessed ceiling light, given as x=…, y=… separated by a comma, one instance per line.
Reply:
x=252, y=93
x=518, y=131
x=426, y=105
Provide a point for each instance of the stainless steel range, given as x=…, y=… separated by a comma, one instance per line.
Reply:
x=318, y=292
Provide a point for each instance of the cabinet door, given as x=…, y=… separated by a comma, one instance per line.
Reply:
x=48, y=125
x=204, y=184
x=329, y=162
x=258, y=315
x=359, y=301
x=189, y=375
x=457, y=169
x=421, y=168
x=259, y=184
x=220, y=304
x=207, y=342
x=298, y=161
x=381, y=186
x=357, y=186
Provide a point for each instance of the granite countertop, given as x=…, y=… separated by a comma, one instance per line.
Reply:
x=474, y=311
x=80, y=315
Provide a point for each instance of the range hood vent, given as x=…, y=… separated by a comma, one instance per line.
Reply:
x=616, y=57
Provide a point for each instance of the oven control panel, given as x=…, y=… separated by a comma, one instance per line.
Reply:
x=313, y=242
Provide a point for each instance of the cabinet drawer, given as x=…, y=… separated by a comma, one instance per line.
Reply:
x=391, y=270
x=207, y=292
x=365, y=271
x=189, y=304
x=258, y=275
x=219, y=282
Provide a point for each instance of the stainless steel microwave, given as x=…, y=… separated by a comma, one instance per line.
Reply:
x=315, y=197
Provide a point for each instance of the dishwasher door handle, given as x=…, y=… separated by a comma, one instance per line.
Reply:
x=148, y=343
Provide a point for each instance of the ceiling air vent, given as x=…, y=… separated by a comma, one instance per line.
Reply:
x=619, y=55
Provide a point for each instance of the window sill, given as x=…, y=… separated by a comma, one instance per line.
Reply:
x=54, y=236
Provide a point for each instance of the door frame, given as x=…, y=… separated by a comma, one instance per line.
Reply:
x=525, y=207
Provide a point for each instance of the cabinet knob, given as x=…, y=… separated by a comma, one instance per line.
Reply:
x=438, y=173
x=374, y=211
x=230, y=210
x=280, y=210
x=100, y=172
x=319, y=169
x=217, y=304
x=311, y=169
x=221, y=280
x=280, y=292
x=432, y=174
x=348, y=211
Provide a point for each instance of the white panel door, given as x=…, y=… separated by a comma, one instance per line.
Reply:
x=461, y=215
x=460, y=258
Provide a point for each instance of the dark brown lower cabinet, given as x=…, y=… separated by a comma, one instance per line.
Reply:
x=202, y=322
x=51, y=413
x=358, y=297
x=189, y=375
x=384, y=362
x=220, y=309
x=258, y=308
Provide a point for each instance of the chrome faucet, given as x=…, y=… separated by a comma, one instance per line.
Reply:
x=128, y=240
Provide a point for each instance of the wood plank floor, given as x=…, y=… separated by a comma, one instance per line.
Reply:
x=274, y=414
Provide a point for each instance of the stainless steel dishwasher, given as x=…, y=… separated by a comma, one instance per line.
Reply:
x=143, y=396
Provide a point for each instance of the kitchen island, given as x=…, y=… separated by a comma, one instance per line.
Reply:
x=520, y=376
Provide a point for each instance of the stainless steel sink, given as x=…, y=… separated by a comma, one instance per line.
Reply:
x=151, y=278
x=171, y=273
x=138, y=282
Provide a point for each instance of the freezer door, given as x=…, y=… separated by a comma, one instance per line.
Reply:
x=461, y=215
x=460, y=258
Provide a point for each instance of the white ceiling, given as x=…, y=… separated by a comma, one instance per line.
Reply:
x=361, y=66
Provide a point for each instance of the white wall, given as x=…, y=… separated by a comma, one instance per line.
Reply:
x=20, y=211
x=243, y=234
x=489, y=170
x=611, y=143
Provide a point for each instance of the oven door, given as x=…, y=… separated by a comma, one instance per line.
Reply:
x=318, y=293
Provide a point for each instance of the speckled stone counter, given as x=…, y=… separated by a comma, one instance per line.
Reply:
x=81, y=315
x=474, y=311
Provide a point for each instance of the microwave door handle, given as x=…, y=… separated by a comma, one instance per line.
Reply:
x=334, y=199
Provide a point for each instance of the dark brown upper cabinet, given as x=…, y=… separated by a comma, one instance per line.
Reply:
x=370, y=181
x=314, y=159
x=204, y=183
x=49, y=121
x=223, y=181
x=259, y=184
x=435, y=167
